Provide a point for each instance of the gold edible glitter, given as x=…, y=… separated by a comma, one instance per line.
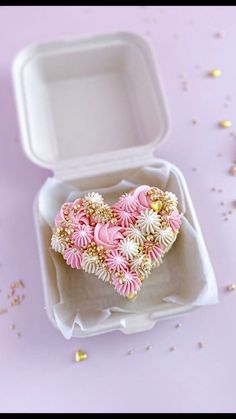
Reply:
x=215, y=72
x=80, y=356
x=225, y=123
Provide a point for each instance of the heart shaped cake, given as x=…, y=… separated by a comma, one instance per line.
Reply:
x=122, y=243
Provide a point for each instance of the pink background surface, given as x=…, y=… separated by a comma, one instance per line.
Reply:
x=37, y=371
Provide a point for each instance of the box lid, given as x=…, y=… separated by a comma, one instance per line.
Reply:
x=90, y=105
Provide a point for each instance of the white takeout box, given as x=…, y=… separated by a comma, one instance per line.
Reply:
x=92, y=109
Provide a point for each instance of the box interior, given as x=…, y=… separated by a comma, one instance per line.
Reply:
x=183, y=274
x=91, y=97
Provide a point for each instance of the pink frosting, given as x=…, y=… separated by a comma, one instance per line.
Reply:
x=143, y=199
x=83, y=235
x=116, y=261
x=107, y=235
x=125, y=218
x=174, y=220
x=79, y=217
x=127, y=202
x=130, y=285
x=60, y=217
x=73, y=257
x=156, y=251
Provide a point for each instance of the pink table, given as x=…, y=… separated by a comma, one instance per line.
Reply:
x=37, y=369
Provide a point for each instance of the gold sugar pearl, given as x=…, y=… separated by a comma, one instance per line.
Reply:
x=80, y=356
x=154, y=197
x=132, y=296
x=231, y=287
x=233, y=170
x=225, y=123
x=156, y=206
x=150, y=237
x=215, y=73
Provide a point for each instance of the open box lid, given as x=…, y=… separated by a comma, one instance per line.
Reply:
x=90, y=105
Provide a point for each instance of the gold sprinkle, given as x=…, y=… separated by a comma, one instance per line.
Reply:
x=201, y=344
x=173, y=348
x=225, y=123
x=219, y=34
x=132, y=296
x=148, y=348
x=18, y=335
x=231, y=287
x=194, y=121
x=194, y=169
x=3, y=311
x=233, y=170
x=220, y=190
x=13, y=326
x=80, y=356
x=130, y=352
x=178, y=325
x=215, y=73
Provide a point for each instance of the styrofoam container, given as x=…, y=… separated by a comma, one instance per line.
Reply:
x=91, y=110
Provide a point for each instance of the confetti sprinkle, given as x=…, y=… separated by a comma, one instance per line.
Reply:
x=173, y=348
x=80, y=356
x=231, y=287
x=215, y=73
x=201, y=344
x=225, y=123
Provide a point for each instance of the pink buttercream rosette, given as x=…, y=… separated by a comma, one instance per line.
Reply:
x=115, y=243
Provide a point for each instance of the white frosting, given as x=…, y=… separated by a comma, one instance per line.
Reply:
x=89, y=263
x=148, y=221
x=128, y=248
x=135, y=234
x=165, y=237
x=58, y=244
x=142, y=265
x=94, y=197
x=156, y=263
x=103, y=274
